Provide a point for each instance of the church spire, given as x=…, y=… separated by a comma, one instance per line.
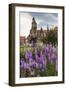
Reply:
x=34, y=24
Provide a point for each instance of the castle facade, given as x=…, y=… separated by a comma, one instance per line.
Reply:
x=35, y=34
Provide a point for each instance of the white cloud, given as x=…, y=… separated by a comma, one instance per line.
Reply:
x=38, y=21
x=39, y=25
x=26, y=21
x=53, y=17
x=25, y=24
x=50, y=19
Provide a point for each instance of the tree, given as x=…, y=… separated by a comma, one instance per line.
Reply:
x=44, y=40
x=52, y=37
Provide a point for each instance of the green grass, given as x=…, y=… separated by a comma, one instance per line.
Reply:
x=23, y=50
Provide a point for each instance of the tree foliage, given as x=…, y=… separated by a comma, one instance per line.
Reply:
x=50, y=37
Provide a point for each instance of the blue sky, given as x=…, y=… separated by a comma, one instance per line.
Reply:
x=42, y=20
x=50, y=19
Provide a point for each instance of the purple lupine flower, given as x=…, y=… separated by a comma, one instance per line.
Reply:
x=27, y=55
x=30, y=64
x=22, y=64
x=43, y=64
x=44, y=57
x=37, y=66
x=36, y=55
x=33, y=64
x=40, y=66
x=28, y=67
x=44, y=61
x=30, y=54
x=30, y=57
x=39, y=61
x=53, y=57
x=41, y=56
x=51, y=49
x=25, y=65
x=30, y=60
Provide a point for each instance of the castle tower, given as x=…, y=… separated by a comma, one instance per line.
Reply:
x=33, y=31
x=41, y=32
x=34, y=24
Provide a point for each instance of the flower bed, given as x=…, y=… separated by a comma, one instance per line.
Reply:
x=41, y=61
